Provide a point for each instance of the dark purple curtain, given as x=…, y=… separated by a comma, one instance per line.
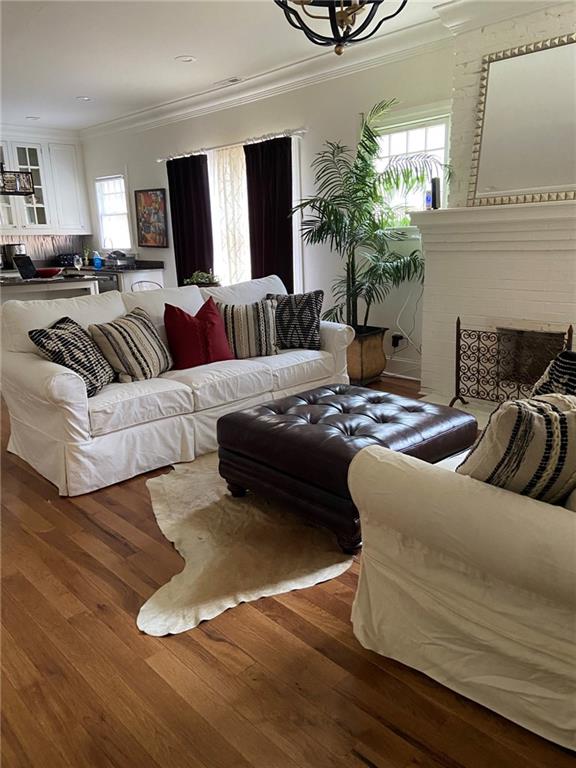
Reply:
x=190, y=209
x=269, y=176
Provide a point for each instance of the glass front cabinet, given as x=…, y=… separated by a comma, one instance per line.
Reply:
x=59, y=203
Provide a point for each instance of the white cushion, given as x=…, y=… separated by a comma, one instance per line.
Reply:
x=188, y=298
x=19, y=317
x=224, y=382
x=295, y=367
x=453, y=461
x=119, y=406
x=571, y=502
x=245, y=293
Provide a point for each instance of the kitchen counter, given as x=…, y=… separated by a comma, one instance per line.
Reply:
x=43, y=288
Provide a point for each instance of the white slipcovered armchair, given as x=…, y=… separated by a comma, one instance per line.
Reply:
x=471, y=584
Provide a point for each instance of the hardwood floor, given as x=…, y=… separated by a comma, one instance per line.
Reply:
x=279, y=683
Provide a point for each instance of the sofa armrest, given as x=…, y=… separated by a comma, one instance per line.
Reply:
x=336, y=338
x=520, y=541
x=45, y=396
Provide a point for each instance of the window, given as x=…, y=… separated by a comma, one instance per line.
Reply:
x=430, y=136
x=229, y=207
x=113, y=212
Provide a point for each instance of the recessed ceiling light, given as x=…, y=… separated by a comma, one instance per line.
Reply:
x=32, y=117
x=84, y=98
x=186, y=58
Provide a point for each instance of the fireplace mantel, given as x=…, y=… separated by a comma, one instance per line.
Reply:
x=510, y=265
x=496, y=215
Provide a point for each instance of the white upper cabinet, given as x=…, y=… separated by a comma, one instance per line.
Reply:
x=69, y=187
x=59, y=203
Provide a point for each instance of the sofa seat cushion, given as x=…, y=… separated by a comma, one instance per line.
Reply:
x=224, y=382
x=119, y=406
x=293, y=367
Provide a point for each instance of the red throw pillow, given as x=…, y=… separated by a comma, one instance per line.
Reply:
x=196, y=339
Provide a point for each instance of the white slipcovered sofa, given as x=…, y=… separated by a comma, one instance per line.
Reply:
x=471, y=584
x=81, y=444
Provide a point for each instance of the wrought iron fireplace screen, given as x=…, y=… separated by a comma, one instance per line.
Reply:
x=503, y=363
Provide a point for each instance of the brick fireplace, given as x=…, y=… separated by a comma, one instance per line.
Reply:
x=508, y=266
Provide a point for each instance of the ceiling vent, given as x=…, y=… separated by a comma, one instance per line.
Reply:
x=229, y=81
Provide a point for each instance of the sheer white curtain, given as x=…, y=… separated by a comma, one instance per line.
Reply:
x=229, y=205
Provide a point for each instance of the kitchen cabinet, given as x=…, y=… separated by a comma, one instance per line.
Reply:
x=59, y=204
x=70, y=189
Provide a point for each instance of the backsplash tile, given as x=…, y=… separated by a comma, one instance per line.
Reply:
x=45, y=247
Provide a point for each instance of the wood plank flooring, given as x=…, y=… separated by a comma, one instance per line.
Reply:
x=279, y=683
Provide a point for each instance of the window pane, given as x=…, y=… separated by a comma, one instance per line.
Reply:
x=36, y=177
x=41, y=215
x=113, y=212
x=115, y=232
x=39, y=196
x=417, y=140
x=398, y=143
x=22, y=157
x=5, y=215
x=384, y=142
x=30, y=215
x=32, y=156
x=435, y=136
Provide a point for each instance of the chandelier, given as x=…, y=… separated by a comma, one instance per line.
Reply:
x=341, y=15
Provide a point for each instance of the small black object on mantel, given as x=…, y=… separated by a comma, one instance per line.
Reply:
x=436, y=199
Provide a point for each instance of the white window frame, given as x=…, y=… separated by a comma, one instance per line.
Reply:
x=107, y=177
x=421, y=117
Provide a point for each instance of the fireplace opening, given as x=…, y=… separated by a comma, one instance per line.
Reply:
x=502, y=363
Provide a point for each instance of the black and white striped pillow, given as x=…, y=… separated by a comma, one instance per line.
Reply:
x=68, y=344
x=250, y=328
x=528, y=447
x=132, y=346
x=560, y=376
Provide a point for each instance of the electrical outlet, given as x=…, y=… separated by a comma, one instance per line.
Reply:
x=396, y=339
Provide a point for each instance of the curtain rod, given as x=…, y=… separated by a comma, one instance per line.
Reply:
x=297, y=132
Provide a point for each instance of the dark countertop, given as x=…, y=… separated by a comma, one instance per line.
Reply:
x=141, y=266
x=7, y=281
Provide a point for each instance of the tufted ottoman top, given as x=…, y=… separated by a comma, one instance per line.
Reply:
x=313, y=436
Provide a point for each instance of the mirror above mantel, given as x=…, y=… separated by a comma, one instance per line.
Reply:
x=525, y=141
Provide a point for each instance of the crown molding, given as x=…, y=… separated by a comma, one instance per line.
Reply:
x=413, y=41
x=460, y=16
x=10, y=132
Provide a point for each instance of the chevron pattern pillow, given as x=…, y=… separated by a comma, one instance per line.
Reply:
x=528, y=447
x=560, y=376
x=298, y=319
x=68, y=344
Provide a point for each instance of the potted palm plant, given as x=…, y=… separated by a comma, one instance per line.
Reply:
x=351, y=211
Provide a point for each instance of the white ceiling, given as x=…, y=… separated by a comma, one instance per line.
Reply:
x=121, y=54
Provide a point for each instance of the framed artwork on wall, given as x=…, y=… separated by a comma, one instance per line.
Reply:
x=151, y=218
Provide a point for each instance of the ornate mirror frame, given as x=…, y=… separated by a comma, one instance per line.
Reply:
x=538, y=197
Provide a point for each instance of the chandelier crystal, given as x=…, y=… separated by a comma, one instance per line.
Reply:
x=342, y=16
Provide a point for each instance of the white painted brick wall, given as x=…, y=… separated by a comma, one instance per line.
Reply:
x=509, y=265
x=470, y=47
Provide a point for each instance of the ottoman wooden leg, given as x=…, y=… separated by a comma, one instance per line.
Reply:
x=236, y=490
x=350, y=543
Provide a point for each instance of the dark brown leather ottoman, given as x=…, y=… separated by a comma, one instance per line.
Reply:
x=298, y=449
